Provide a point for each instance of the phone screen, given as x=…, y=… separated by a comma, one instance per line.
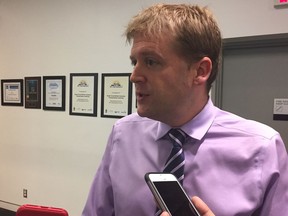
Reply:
x=174, y=198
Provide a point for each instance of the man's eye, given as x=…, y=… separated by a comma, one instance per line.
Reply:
x=150, y=62
x=133, y=63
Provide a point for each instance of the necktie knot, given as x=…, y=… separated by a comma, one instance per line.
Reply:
x=177, y=136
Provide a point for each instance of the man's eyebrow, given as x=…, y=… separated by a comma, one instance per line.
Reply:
x=146, y=53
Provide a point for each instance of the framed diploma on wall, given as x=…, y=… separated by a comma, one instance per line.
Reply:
x=83, y=94
x=116, y=95
x=54, y=93
x=12, y=92
x=32, y=92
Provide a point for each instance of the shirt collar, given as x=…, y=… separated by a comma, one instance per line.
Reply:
x=197, y=127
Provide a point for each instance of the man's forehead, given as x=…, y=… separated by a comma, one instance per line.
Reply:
x=144, y=49
x=146, y=45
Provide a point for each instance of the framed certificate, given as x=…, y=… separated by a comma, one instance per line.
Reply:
x=83, y=94
x=33, y=92
x=116, y=95
x=12, y=92
x=54, y=93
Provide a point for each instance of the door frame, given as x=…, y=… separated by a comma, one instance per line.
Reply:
x=273, y=40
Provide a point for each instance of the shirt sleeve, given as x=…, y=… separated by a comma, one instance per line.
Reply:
x=274, y=179
x=100, y=198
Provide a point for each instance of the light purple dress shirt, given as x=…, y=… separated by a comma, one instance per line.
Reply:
x=237, y=166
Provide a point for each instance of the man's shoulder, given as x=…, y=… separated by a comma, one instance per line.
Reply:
x=136, y=125
x=239, y=124
x=134, y=118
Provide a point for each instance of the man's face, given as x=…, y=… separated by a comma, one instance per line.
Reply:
x=163, y=80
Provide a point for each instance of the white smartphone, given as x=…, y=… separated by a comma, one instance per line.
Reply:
x=170, y=195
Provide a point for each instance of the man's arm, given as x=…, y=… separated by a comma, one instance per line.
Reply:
x=274, y=178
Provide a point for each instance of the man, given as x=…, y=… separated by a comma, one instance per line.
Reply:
x=237, y=166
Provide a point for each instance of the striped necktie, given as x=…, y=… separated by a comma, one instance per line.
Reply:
x=176, y=160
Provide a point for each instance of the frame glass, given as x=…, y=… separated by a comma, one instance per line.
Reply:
x=116, y=98
x=12, y=92
x=33, y=92
x=83, y=94
x=54, y=93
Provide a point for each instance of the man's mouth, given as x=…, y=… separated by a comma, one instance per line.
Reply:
x=140, y=95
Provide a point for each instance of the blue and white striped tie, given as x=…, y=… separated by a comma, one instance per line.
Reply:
x=176, y=160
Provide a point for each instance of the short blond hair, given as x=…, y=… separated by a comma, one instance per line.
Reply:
x=193, y=29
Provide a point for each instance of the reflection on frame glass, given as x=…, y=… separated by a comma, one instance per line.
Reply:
x=83, y=94
x=33, y=92
x=12, y=92
x=116, y=95
x=54, y=93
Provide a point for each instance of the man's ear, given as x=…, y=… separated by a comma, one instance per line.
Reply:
x=203, y=70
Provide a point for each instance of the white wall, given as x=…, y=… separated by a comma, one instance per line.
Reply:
x=50, y=153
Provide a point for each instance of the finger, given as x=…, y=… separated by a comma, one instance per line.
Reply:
x=203, y=209
x=164, y=214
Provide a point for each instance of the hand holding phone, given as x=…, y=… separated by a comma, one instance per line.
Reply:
x=169, y=194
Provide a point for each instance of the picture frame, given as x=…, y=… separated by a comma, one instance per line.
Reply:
x=12, y=92
x=32, y=92
x=116, y=95
x=54, y=93
x=83, y=94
